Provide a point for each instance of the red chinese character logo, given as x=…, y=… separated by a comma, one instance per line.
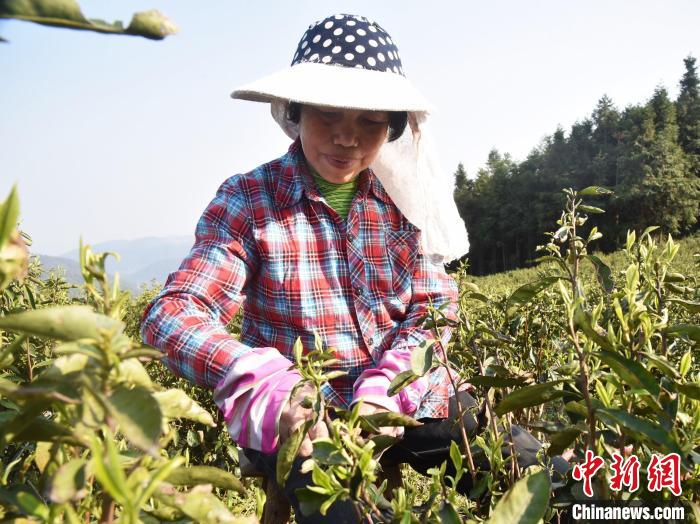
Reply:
x=625, y=473
x=665, y=472
x=587, y=470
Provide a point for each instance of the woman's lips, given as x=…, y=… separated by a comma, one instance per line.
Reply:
x=339, y=161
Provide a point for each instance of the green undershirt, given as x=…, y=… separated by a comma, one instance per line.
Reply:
x=338, y=196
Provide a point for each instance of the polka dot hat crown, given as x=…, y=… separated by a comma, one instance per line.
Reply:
x=349, y=41
x=341, y=61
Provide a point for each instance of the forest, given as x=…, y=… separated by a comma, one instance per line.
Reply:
x=648, y=154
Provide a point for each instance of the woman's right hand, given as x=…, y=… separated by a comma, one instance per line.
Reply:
x=294, y=416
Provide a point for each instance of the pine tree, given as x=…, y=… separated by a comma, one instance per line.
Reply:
x=460, y=177
x=688, y=109
x=657, y=187
x=605, y=137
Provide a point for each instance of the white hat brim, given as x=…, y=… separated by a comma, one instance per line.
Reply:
x=337, y=86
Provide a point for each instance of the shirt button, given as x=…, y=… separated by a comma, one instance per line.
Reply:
x=371, y=342
x=359, y=291
x=351, y=237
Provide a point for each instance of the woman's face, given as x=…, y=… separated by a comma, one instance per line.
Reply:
x=340, y=143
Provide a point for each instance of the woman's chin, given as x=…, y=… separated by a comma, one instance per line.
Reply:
x=338, y=176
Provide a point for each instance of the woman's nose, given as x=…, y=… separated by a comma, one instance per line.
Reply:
x=345, y=135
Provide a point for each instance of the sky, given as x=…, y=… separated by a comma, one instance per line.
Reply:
x=118, y=137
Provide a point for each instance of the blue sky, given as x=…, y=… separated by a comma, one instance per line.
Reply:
x=120, y=137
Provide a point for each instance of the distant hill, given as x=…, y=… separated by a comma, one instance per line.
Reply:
x=142, y=260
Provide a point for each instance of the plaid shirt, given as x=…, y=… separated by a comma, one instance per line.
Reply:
x=269, y=240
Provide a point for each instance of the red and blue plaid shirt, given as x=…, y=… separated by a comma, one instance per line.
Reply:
x=270, y=241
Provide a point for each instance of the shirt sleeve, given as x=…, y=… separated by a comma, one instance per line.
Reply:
x=431, y=285
x=188, y=319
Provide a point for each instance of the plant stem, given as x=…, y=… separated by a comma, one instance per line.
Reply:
x=372, y=506
x=659, y=311
x=107, y=516
x=30, y=369
x=584, y=386
x=460, y=413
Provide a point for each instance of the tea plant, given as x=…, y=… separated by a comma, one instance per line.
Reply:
x=591, y=355
x=606, y=364
x=84, y=437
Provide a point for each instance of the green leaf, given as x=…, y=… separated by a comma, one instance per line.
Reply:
x=448, y=514
x=603, y=273
x=327, y=452
x=66, y=13
x=155, y=478
x=686, y=363
x=388, y=418
x=288, y=452
x=133, y=372
x=527, y=292
x=576, y=408
x=663, y=365
x=422, y=357
x=546, y=426
x=201, y=506
x=24, y=500
x=143, y=352
x=196, y=475
x=562, y=440
x=69, y=482
x=525, y=503
x=400, y=381
x=61, y=322
x=561, y=234
x=382, y=442
x=139, y=416
x=531, y=396
x=456, y=455
x=11, y=427
x=690, y=390
x=690, y=306
x=584, y=321
x=108, y=469
x=643, y=428
x=64, y=366
x=496, y=382
x=9, y=213
x=594, y=191
x=631, y=372
x=151, y=24
x=478, y=296
x=591, y=209
x=7, y=353
x=692, y=331
x=648, y=231
x=309, y=501
x=174, y=403
x=42, y=429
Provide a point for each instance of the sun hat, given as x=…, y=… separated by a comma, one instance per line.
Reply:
x=351, y=62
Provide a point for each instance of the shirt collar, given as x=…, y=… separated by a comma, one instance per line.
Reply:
x=295, y=179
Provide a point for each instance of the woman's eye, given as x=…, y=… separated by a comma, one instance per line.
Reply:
x=330, y=115
x=372, y=122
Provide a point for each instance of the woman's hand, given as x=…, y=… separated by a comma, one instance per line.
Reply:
x=294, y=416
x=367, y=408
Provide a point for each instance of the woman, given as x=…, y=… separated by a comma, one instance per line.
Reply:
x=345, y=236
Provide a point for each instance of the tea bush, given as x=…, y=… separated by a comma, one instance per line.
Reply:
x=87, y=435
x=592, y=353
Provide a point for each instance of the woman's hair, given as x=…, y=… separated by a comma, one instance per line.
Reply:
x=397, y=119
